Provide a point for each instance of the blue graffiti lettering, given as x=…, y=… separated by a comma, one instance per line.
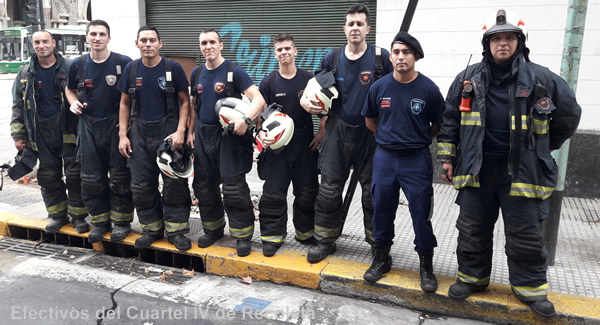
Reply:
x=260, y=62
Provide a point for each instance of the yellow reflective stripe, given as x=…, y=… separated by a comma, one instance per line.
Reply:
x=470, y=118
x=473, y=280
x=176, y=226
x=273, y=239
x=153, y=226
x=530, y=190
x=17, y=129
x=104, y=217
x=369, y=234
x=69, y=138
x=540, y=127
x=523, y=122
x=327, y=232
x=305, y=235
x=57, y=208
x=465, y=180
x=213, y=225
x=121, y=216
x=76, y=210
x=446, y=148
x=33, y=146
x=531, y=291
x=241, y=233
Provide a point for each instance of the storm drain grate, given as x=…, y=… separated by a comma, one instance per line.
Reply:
x=41, y=250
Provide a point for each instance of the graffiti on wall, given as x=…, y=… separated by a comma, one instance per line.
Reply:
x=260, y=62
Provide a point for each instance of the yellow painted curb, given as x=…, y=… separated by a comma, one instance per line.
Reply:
x=4, y=218
x=280, y=268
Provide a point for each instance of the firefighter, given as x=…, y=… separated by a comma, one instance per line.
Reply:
x=92, y=92
x=222, y=156
x=503, y=117
x=348, y=143
x=404, y=111
x=41, y=122
x=296, y=162
x=155, y=95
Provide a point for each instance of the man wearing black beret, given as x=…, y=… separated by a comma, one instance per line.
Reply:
x=404, y=111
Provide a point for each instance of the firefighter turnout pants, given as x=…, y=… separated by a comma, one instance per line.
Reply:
x=345, y=146
x=107, y=199
x=155, y=215
x=296, y=163
x=523, y=217
x=55, y=151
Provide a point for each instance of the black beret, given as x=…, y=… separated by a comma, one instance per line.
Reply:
x=406, y=38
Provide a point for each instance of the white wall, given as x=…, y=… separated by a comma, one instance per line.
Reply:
x=449, y=31
x=124, y=18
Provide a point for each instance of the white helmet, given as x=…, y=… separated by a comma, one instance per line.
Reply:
x=175, y=163
x=503, y=21
x=279, y=127
x=230, y=109
x=314, y=90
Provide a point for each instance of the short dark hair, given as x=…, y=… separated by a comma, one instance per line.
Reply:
x=284, y=37
x=357, y=8
x=146, y=27
x=97, y=22
x=212, y=30
x=45, y=31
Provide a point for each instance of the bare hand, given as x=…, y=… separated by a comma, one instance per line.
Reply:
x=447, y=172
x=177, y=138
x=315, y=144
x=311, y=105
x=20, y=144
x=264, y=138
x=125, y=147
x=240, y=127
x=77, y=107
x=190, y=140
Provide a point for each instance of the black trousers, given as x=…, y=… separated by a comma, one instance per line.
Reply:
x=345, y=146
x=156, y=214
x=523, y=228
x=106, y=198
x=56, y=152
x=297, y=164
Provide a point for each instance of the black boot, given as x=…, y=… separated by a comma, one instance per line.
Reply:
x=146, y=240
x=55, y=225
x=209, y=238
x=80, y=225
x=244, y=247
x=180, y=241
x=542, y=307
x=320, y=252
x=120, y=232
x=269, y=249
x=462, y=291
x=428, y=281
x=98, y=232
x=382, y=263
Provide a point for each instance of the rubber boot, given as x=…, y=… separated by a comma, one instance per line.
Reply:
x=146, y=240
x=320, y=252
x=180, y=241
x=209, y=238
x=120, y=232
x=382, y=263
x=244, y=247
x=542, y=307
x=269, y=249
x=98, y=232
x=80, y=225
x=55, y=225
x=462, y=291
x=428, y=281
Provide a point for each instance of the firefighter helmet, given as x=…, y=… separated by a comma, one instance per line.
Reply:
x=503, y=21
x=279, y=127
x=231, y=109
x=325, y=96
x=175, y=163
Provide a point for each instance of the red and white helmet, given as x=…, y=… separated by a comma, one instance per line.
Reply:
x=175, y=163
x=314, y=90
x=230, y=109
x=279, y=127
x=503, y=21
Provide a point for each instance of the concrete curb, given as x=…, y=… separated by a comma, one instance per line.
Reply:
x=343, y=277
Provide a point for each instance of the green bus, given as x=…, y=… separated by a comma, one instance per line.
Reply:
x=16, y=48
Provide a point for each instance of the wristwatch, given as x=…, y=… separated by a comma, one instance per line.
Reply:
x=247, y=120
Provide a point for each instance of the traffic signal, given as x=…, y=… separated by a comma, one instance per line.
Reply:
x=32, y=12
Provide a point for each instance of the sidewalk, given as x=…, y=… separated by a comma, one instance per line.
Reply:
x=574, y=280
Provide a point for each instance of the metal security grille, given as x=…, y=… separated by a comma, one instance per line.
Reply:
x=247, y=28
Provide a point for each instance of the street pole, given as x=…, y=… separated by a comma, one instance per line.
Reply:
x=41, y=13
x=569, y=70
